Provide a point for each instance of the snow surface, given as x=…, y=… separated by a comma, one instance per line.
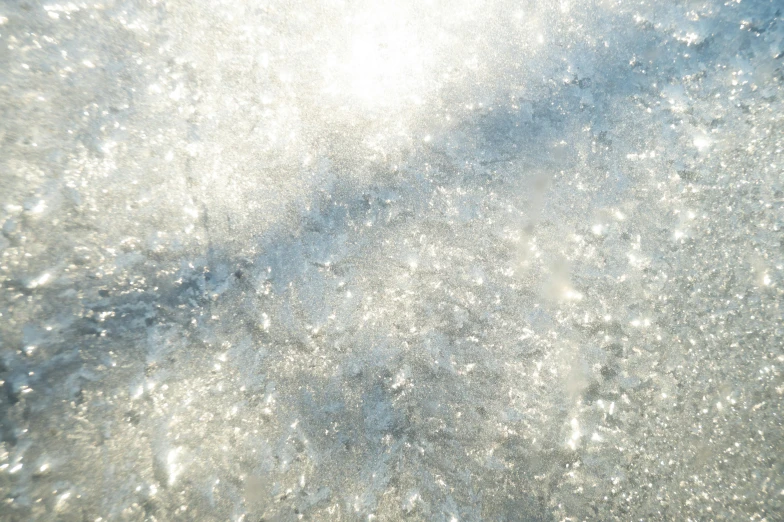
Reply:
x=373, y=260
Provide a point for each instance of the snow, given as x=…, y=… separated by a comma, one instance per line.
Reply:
x=391, y=260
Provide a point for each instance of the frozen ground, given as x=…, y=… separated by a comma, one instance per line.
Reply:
x=368, y=260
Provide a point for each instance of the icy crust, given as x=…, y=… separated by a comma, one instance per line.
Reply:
x=537, y=278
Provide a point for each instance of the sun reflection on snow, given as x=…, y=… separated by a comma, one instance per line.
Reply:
x=384, y=63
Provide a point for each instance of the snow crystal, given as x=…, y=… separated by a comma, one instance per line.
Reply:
x=391, y=260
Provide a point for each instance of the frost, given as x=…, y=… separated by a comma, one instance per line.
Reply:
x=373, y=261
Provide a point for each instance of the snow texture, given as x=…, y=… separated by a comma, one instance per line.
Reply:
x=371, y=260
